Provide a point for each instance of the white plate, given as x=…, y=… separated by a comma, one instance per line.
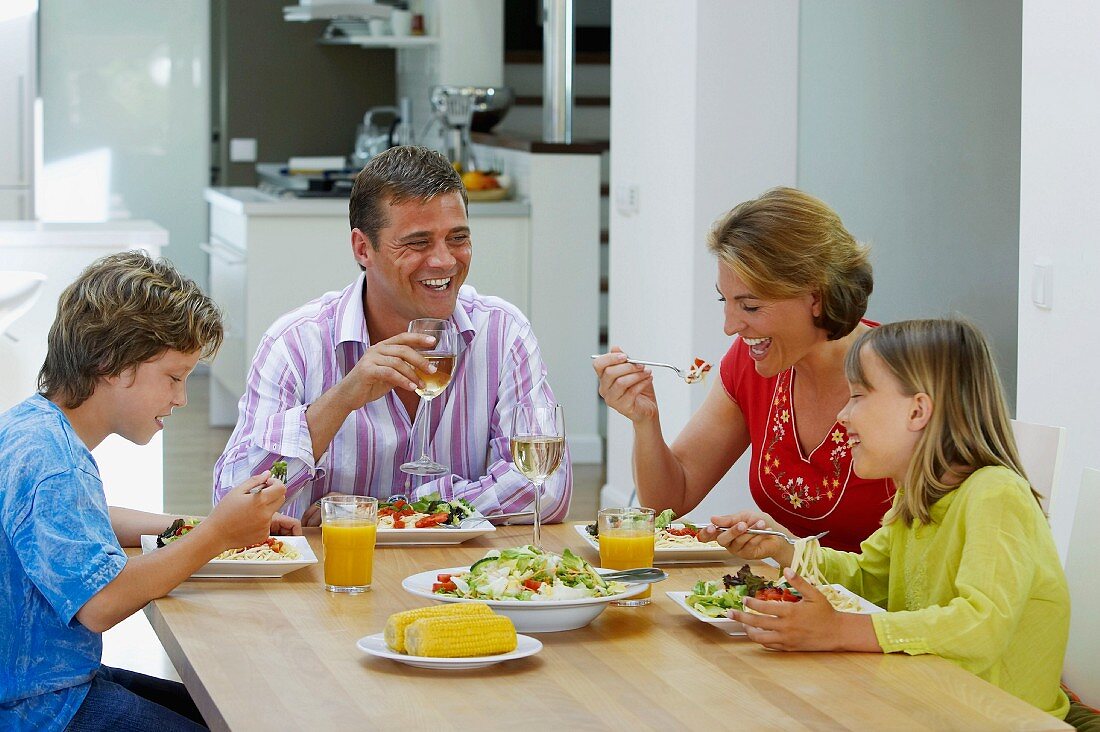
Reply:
x=722, y=623
x=376, y=646
x=240, y=568
x=734, y=627
x=529, y=616
x=407, y=537
x=676, y=555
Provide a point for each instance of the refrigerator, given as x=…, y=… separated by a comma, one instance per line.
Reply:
x=18, y=34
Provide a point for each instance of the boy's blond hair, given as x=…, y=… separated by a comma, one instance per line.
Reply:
x=951, y=362
x=123, y=310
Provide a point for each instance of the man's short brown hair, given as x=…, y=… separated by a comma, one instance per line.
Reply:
x=122, y=311
x=400, y=174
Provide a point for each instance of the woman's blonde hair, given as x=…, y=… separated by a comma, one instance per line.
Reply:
x=787, y=243
x=950, y=361
x=123, y=310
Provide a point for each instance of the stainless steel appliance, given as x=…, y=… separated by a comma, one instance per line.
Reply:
x=459, y=109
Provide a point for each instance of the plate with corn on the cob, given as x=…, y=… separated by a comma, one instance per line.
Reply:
x=374, y=645
x=449, y=637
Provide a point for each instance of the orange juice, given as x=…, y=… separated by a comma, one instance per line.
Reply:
x=627, y=549
x=349, y=552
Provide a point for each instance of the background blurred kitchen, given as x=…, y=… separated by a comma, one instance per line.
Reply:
x=956, y=137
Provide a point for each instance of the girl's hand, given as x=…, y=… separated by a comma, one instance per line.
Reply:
x=626, y=387
x=729, y=531
x=808, y=625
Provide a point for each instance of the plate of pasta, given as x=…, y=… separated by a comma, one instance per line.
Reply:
x=672, y=547
x=274, y=557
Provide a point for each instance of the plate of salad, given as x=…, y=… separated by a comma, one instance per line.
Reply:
x=676, y=541
x=710, y=600
x=428, y=520
x=540, y=591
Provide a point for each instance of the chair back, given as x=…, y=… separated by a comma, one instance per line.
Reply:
x=1040, y=448
x=1081, y=671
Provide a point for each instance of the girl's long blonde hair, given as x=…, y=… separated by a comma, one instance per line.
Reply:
x=951, y=362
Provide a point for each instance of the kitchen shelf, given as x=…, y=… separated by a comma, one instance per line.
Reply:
x=381, y=41
x=329, y=11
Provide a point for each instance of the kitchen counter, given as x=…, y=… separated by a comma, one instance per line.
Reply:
x=254, y=202
x=118, y=235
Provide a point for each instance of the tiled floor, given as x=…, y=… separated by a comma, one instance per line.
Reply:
x=191, y=447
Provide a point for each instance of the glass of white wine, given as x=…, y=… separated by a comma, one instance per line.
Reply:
x=442, y=354
x=538, y=444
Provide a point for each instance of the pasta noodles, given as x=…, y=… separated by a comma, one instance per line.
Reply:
x=269, y=550
x=805, y=564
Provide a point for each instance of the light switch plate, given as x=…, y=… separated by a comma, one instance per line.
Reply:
x=1042, y=283
x=626, y=199
x=242, y=150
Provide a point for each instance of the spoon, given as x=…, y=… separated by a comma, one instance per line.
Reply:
x=640, y=575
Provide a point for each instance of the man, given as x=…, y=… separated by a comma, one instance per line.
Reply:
x=332, y=386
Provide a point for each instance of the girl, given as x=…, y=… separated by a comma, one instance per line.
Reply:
x=964, y=563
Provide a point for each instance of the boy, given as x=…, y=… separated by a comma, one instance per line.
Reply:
x=128, y=333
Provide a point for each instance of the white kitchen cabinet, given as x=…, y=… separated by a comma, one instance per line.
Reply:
x=270, y=255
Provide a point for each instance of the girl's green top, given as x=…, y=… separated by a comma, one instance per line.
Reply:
x=981, y=585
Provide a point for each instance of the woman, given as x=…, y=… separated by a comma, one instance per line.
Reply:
x=794, y=284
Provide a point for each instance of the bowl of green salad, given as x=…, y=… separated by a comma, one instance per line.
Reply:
x=540, y=591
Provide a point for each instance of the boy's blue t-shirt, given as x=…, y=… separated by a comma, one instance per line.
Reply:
x=57, y=550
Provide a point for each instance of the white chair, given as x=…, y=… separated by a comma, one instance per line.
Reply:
x=18, y=291
x=1081, y=671
x=1040, y=448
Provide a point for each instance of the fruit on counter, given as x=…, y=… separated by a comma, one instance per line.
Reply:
x=398, y=623
x=461, y=636
x=479, y=180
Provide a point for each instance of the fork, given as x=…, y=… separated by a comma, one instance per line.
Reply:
x=781, y=535
x=679, y=371
x=475, y=519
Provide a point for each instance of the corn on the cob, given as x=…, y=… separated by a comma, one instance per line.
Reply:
x=394, y=632
x=460, y=636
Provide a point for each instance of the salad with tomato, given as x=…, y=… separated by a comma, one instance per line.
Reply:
x=714, y=599
x=428, y=512
x=527, y=573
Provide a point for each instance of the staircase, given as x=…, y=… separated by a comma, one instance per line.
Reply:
x=591, y=122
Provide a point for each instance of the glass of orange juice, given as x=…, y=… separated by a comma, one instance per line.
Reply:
x=626, y=542
x=349, y=525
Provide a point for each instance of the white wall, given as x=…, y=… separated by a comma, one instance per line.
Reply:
x=125, y=91
x=1059, y=217
x=703, y=116
x=909, y=128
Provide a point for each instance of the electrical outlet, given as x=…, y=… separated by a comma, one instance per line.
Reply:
x=242, y=150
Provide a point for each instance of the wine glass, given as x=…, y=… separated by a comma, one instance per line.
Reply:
x=538, y=444
x=442, y=355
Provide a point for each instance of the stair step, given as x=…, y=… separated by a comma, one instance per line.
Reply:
x=536, y=101
x=535, y=57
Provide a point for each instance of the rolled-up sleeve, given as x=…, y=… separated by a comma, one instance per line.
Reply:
x=271, y=426
x=503, y=489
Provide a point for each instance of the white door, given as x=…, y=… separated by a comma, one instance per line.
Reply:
x=15, y=203
x=16, y=92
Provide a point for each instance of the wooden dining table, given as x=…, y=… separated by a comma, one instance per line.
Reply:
x=280, y=654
